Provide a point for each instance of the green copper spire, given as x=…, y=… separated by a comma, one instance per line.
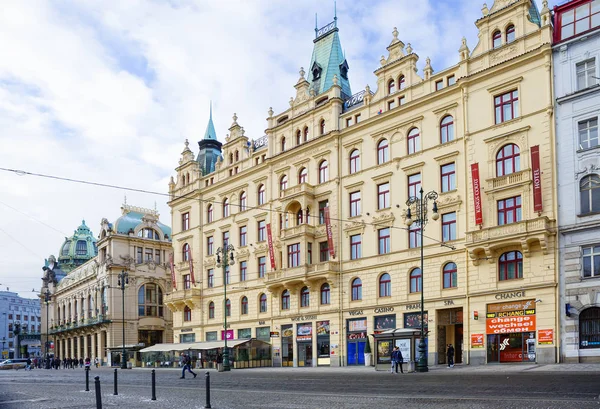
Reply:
x=210, y=128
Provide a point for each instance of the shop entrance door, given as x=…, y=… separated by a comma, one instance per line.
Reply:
x=515, y=347
x=356, y=352
x=304, y=354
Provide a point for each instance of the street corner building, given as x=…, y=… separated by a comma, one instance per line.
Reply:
x=316, y=210
x=82, y=297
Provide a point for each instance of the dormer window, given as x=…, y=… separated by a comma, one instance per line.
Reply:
x=344, y=70
x=510, y=34
x=316, y=71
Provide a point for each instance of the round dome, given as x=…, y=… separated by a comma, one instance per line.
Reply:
x=78, y=248
x=141, y=221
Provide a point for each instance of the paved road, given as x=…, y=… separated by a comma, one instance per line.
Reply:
x=309, y=388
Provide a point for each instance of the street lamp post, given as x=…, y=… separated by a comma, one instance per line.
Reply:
x=123, y=280
x=47, y=302
x=420, y=205
x=225, y=258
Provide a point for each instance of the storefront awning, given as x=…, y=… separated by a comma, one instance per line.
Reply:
x=398, y=332
x=206, y=345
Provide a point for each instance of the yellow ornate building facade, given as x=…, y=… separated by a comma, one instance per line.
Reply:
x=316, y=209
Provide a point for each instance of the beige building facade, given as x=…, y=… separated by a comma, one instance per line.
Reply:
x=316, y=209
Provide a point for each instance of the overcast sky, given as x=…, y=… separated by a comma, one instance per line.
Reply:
x=107, y=91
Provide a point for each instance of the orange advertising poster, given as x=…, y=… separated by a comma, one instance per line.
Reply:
x=476, y=340
x=546, y=336
x=507, y=325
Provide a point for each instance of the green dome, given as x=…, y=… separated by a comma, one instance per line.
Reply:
x=134, y=219
x=77, y=249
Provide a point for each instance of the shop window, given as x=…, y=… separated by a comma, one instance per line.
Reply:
x=356, y=289
x=508, y=160
x=325, y=294
x=385, y=285
x=589, y=328
x=450, y=275
x=304, y=297
x=416, y=280
x=263, y=302
x=510, y=266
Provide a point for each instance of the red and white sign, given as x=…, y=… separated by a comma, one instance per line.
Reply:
x=537, y=179
x=270, y=242
x=329, y=233
x=546, y=336
x=507, y=325
x=476, y=340
x=477, y=193
x=172, y=263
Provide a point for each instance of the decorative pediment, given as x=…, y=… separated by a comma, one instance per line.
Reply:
x=384, y=220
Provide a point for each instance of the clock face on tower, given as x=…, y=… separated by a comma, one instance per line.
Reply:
x=326, y=29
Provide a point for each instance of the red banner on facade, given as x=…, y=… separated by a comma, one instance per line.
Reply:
x=192, y=268
x=270, y=242
x=537, y=179
x=172, y=263
x=477, y=193
x=329, y=233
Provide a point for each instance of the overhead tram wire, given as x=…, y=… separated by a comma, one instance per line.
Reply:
x=34, y=219
x=20, y=244
x=150, y=192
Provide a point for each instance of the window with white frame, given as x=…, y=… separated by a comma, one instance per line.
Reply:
x=585, y=72
x=588, y=133
x=591, y=261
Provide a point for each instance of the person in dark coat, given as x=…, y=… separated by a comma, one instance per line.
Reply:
x=450, y=356
x=399, y=360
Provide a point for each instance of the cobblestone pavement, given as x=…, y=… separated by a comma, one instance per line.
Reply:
x=486, y=387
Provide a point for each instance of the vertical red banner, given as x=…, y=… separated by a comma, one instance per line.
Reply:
x=329, y=233
x=172, y=263
x=477, y=193
x=270, y=242
x=537, y=179
x=192, y=268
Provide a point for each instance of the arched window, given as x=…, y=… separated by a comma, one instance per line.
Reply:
x=385, y=285
x=228, y=307
x=510, y=34
x=401, y=82
x=243, y=201
x=450, y=279
x=508, y=160
x=90, y=305
x=325, y=294
x=383, y=151
x=261, y=195
x=211, y=310
x=285, y=300
x=263, y=302
x=354, y=161
x=185, y=252
x=237, y=156
x=244, y=309
x=209, y=213
x=183, y=180
x=81, y=248
x=497, y=39
x=589, y=328
x=356, y=289
x=66, y=247
x=391, y=87
x=305, y=133
x=414, y=141
x=447, y=129
x=187, y=314
x=299, y=217
x=230, y=158
x=187, y=178
x=304, y=297
x=323, y=171
x=283, y=144
x=510, y=266
x=416, y=280
x=322, y=127
x=148, y=233
x=298, y=137
x=589, y=194
x=283, y=183
x=303, y=176
x=150, y=301
x=226, y=207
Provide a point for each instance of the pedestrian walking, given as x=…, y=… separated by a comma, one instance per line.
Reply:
x=81, y=362
x=186, y=363
x=450, y=354
x=393, y=359
x=87, y=363
x=399, y=360
x=28, y=367
x=96, y=362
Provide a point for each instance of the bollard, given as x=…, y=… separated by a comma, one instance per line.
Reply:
x=115, y=392
x=98, y=394
x=153, y=384
x=87, y=379
x=207, y=390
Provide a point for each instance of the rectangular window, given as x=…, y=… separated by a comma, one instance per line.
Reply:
x=439, y=85
x=348, y=122
x=506, y=106
x=357, y=118
x=391, y=104
x=414, y=185
x=383, y=196
x=139, y=255
x=414, y=236
x=149, y=254
x=225, y=239
x=588, y=134
x=309, y=253
x=586, y=71
x=448, y=177
x=243, y=231
x=187, y=282
x=243, y=270
x=591, y=261
x=509, y=210
x=402, y=100
x=262, y=266
x=322, y=205
x=262, y=230
x=580, y=19
x=451, y=80
x=294, y=255
x=323, y=251
x=211, y=277
x=355, y=247
x=384, y=240
x=227, y=275
x=354, y=204
x=210, y=242
x=449, y=226
x=185, y=221
x=157, y=256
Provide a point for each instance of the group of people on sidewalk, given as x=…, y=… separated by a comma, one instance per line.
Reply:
x=56, y=363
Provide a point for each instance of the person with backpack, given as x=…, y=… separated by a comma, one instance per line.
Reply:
x=186, y=363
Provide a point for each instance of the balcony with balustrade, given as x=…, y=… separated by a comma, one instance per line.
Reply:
x=179, y=299
x=302, y=275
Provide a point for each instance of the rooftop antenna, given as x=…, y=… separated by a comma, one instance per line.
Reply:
x=211, y=109
x=334, y=10
x=316, y=25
